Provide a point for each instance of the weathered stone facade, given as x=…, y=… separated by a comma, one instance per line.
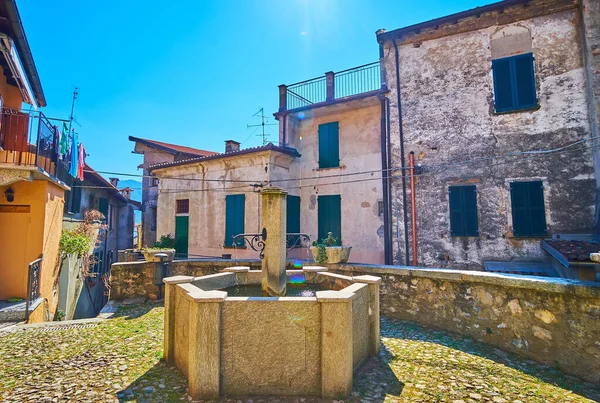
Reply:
x=450, y=123
x=554, y=321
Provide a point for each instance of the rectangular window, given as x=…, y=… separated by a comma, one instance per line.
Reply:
x=103, y=206
x=528, y=211
x=76, y=196
x=182, y=206
x=234, y=218
x=329, y=217
x=463, y=211
x=153, y=182
x=380, y=208
x=514, y=83
x=293, y=219
x=329, y=145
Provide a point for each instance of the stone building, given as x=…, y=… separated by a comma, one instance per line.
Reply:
x=204, y=201
x=497, y=106
x=156, y=152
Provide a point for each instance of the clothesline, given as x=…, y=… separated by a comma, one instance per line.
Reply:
x=70, y=150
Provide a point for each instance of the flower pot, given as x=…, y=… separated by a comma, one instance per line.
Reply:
x=150, y=255
x=335, y=254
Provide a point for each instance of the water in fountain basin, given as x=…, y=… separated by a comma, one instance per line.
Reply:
x=296, y=287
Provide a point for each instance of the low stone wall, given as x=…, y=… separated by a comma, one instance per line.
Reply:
x=135, y=279
x=550, y=320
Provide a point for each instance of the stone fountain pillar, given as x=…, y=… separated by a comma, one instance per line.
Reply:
x=273, y=218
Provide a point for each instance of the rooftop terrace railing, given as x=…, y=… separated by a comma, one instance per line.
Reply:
x=29, y=139
x=332, y=86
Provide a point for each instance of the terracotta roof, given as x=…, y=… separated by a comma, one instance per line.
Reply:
x=575, y=251
x=90, y=172
x=269, y=147
x=172, y=148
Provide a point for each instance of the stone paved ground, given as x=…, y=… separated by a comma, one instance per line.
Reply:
x=120, y=360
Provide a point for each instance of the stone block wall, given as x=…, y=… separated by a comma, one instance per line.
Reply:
x=549, y=320
x=134, y=279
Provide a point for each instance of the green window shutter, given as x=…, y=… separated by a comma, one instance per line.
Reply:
x=329, y=217
x=528, y=211
x=514, y=83
x=329, y=147
x=293, y=214
x=182, y=224
x=103, y=206
x=463, y=211
x=503, y=92
x=524, y=81
x=234, y=218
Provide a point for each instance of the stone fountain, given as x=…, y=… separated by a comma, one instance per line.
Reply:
x=228, y=343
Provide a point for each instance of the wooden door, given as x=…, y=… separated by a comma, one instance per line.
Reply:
x=14, y=230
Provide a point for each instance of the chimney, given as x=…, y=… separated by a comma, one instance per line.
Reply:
x=114, y=181
x=231, y=146
x=126, y=192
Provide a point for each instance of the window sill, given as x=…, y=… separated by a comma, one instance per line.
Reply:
x=330, y=168
x=525, y=237
x=529, y=109
x=234, y=247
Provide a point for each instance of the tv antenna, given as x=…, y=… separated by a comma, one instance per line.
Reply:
x=71, y=118
x=263, y=119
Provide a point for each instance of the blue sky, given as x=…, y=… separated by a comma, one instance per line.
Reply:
x=194, y=72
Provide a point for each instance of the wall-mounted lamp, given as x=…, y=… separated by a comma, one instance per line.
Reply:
x=10, y=195
x=257, y=187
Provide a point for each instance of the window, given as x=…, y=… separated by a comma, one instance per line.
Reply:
x=380, y=208
x=528, y=212
x=182, y=206
x=514, y=83
x=329, y=147
x=293, y=219
x=463, y=211
x=330, y=217
x=103, y=206
x=234, y=218
x=153, y=181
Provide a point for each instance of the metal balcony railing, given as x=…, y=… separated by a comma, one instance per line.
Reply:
x=332, y=86
x=33, y=285
x=29, y=139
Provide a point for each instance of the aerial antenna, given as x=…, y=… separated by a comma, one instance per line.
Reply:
x=261, y=114
x=75, y=93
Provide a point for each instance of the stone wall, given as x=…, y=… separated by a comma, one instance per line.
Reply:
x=134, y=279
x=550, y=320
x=447, y=101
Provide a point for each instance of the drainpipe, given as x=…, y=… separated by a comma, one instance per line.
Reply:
x=387, y=240
x=402, y=159
x=389, y=174
x=413, y=207
x=284, y=118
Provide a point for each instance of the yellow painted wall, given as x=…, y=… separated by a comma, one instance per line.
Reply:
x=11, y=96
x=37, y=233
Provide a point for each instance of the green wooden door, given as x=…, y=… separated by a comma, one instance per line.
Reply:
x=330, y=217
x=182, y=224
x=234, y=218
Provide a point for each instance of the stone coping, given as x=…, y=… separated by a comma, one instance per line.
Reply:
x=586, y=289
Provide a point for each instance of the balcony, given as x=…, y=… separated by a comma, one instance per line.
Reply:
x=29, y=140
x=347, y=84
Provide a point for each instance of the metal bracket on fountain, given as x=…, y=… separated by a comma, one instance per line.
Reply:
x=257, y=241
x=294, y=240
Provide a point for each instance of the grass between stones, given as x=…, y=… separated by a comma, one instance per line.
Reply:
x=121, y=360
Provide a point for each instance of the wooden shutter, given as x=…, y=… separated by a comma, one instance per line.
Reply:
x=329, y=147
x=463, y=211
x=503, y=94
x=293, y=214
x=329, y=217
x=234, y=218
x=524, y=81
x=528, y=211
x=76, y=196
x=103, y=206
x=514, y=83
x=182, y=224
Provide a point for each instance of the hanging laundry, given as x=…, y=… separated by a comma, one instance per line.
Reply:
x=64, y=140
x=56, y=145
x=74, y=156
x=81, y=162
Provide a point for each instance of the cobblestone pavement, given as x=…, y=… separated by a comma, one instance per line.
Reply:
x=121, y=360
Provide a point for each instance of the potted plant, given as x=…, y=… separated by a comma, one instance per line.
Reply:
x=330, y=251
x=166, y=245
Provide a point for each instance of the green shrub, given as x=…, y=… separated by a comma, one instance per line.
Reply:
x=165, y=242
x=321, y=257
x=74, y=242
x=330, y=240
